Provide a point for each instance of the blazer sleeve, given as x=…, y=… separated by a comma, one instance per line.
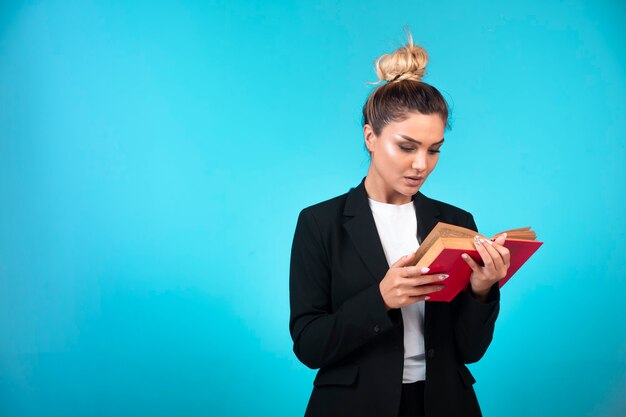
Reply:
x=320, y=335
x=474, y=320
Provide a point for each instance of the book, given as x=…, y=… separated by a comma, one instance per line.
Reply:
x=441, y=252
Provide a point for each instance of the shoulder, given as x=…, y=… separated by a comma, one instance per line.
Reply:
x=321, y=222
x=448, y=208
x=326, y=211
x=448, y=213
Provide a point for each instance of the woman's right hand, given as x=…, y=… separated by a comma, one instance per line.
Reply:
x=405, y=284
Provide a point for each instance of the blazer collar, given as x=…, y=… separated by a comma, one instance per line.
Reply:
x=362, y=228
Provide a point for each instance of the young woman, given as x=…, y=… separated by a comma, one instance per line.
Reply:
x=358, y=307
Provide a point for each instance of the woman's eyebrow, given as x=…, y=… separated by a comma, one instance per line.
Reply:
x=417, y=141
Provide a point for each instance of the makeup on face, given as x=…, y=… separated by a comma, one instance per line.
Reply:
x=404, y=154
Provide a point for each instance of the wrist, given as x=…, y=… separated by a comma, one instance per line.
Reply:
x=382, y=297
x=480, y=294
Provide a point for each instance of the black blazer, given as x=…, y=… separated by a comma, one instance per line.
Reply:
x=339, y=323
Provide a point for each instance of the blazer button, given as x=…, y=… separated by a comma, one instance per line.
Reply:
x=376, y=328
x=431, y=353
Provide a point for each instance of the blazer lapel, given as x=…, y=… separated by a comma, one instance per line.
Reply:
x=361, y=227
x=427, y=218
x=427, y=215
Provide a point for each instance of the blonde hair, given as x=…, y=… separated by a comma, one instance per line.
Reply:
x=404, y=91
x=405, y=63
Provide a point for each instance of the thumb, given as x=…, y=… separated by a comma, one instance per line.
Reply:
x=404, y=261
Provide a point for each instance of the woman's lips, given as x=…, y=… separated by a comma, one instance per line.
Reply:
x=413, y=181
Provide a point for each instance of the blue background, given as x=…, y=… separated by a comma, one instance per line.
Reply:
x=154, y=158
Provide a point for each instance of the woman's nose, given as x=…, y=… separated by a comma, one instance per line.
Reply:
x=419, y=163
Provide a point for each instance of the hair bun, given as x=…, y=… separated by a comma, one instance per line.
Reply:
x=405, y=63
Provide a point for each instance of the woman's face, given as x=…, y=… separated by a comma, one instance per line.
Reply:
x=402, y=156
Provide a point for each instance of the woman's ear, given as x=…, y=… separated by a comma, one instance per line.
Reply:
x=369, y=136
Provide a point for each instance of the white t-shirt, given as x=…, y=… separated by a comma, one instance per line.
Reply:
x=397, y=229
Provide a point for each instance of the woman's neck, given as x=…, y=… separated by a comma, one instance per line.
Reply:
x=378, y=190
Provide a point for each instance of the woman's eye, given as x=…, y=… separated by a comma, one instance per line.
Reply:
x=411, y=149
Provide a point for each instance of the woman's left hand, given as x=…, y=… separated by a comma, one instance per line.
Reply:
x=496, y=259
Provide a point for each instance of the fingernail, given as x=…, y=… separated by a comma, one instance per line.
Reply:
x=425, y=270
x=427, y=298
x=504, y=234
x=443, y=276
x=486, y=240
x=464, y=256
x=477, y=241
x=441, y=287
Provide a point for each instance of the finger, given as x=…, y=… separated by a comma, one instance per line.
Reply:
x=418, y=299
x=500, y=239
x=504, y=252
x=492, y=260
x=424, y=290
x=415, y=271
x=498, y=267
x=412, y=300
x=423, y=280
x=404, y=261
x=472, y=263
x=482, y=251
x=494, y=253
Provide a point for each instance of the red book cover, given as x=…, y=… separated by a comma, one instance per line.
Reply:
x=449, y=261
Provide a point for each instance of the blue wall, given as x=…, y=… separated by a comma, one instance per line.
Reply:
x=154, y=158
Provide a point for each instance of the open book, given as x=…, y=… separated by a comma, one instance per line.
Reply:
x=441, y=252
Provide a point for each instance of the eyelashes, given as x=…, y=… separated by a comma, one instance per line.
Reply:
x=409, y=150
